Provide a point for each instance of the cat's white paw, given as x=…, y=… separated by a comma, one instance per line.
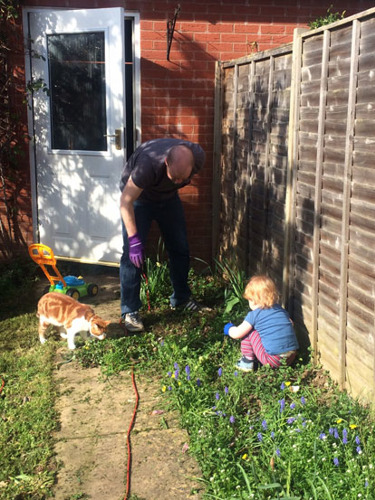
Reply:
x=63, y=335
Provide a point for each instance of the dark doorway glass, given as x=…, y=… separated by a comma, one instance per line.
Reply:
x=78, y=91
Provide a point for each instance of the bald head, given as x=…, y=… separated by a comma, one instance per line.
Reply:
x=180, y=163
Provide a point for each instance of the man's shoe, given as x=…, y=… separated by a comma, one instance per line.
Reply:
x=133, y=322
x=245, y=365
x=191, y=305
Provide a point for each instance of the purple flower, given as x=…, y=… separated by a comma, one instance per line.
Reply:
x=278, y=453
x=199, y=383
x=169, y=374
x=232, y=419
x=217, y=396
x=272, y=434
x=290, y=420
x=176, y=374
x=282, y=386
x=176, y=366
x=336, y=461
x=331, y=431
x=366, y=484
x=303, y=400
x=322, y=436
x=345, y=436
x=358, y=449
x=162, y=343
x=357, y=440
x=336, y=434
x=220, y=372
x=292, y=406
x=236, y=373
x=187, y=369
x=226, y=390
x=169, y=388
x=260, y=437
x=282, y=405
x=264, y=425
x=188, y=377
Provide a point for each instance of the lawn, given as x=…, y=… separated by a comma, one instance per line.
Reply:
x=285, y=434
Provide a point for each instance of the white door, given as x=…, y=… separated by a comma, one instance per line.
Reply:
x=79, y=130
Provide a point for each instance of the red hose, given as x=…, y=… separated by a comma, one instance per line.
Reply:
x=147, y=291
x=128, y=436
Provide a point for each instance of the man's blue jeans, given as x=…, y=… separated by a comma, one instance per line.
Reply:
x=169, y=215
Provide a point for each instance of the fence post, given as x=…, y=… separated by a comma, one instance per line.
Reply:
x=290, y=198
x=218, y=118
x=350, y=122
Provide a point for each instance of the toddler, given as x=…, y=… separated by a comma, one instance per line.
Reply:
x=267, y=332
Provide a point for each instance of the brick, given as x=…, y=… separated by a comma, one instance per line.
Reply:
x=272, y=29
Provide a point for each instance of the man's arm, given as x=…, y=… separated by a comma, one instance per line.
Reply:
x=130, y=193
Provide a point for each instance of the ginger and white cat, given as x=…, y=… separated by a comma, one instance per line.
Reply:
x=63, y=311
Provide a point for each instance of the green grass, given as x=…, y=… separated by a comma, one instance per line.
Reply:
x=284, y=434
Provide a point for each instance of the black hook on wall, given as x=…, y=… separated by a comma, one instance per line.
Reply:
x=170, y=29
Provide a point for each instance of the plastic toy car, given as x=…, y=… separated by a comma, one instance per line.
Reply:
x=70, y=285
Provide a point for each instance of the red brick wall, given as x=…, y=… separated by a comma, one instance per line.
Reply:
x=178, y=95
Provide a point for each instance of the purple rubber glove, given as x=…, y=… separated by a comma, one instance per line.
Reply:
x=227, y=327
x=136, y=250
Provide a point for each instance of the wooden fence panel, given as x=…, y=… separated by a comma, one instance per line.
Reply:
x=297, y=184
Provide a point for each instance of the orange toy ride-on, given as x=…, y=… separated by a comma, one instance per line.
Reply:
x=70, y=285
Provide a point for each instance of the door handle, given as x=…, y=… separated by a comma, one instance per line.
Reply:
x=117, y=136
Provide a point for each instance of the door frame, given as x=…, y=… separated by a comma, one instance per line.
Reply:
x=136, y=85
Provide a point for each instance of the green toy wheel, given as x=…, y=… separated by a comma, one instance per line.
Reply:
x=92, y=289
x=74, y=293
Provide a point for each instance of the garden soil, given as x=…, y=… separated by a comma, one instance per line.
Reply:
x=95, y=416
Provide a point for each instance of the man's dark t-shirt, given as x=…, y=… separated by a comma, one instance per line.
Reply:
x=147, y=168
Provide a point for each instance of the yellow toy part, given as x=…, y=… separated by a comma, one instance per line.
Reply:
x=43, y=256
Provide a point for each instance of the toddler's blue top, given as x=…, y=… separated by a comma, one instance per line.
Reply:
x=275, y=329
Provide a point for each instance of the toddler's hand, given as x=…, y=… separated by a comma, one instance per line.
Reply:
x=227, y=327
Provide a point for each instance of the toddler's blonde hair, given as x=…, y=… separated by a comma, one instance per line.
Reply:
x=262, y=291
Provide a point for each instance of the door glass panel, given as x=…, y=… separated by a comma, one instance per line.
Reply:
x=77, y=91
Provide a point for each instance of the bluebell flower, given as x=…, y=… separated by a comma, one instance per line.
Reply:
x=331, y=431
x=357, y=440
x=282, y=386
x=169, y=388
x=232, y=419
x=176, y=366
x=217, y=396
x=290, y=420
x=169, y=374
x=278, y=453
x=199, y=383
x=336, y=461
x=366, y=484
x=264, y=425
x=220, y=372
x=226, y=390
x=259, y=436
x=303, y=400
x=282, y=405
x=176, y=374
x=345, y=436
x=358, y=449
x=292, y=406
x=336, y=434
x=187, y=369
x=236, y=373
x=187, y=377
x=322, y=436
x=272, y=434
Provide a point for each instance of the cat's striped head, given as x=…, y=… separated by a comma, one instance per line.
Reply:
x=98, y=327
